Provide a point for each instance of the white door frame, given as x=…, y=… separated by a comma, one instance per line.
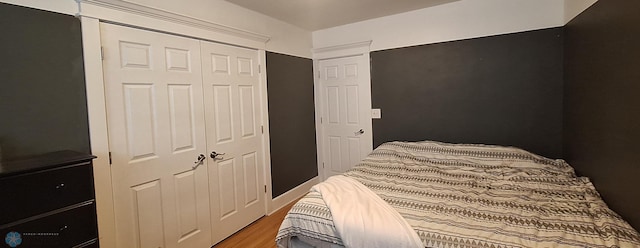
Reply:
x=98, y=132
x=91, y=13
x=339, y=51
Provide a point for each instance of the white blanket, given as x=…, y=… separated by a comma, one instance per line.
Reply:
x=362, y=218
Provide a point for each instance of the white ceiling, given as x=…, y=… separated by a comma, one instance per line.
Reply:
x=320, y=14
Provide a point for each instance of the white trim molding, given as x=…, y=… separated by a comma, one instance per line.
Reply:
x=173, y=17
x=345, y=50
x=98, y=132
x=266, y=145
x=292, y=195
x=67, y=7
x=131, y=14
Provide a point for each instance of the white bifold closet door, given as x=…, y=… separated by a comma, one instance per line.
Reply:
x=231, y=97
x=168, y=191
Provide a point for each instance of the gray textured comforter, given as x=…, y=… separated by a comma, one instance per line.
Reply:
x=475, y=196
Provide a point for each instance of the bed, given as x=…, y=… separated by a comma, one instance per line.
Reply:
x=456, y=195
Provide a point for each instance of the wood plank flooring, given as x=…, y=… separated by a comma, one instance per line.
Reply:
x=261, y=233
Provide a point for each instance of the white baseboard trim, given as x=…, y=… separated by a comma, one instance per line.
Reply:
x=292, y=195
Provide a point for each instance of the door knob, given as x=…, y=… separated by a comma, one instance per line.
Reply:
x=214, y=154
x=359, y=132
x=199, y=160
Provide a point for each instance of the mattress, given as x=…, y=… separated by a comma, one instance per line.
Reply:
x=460, y=195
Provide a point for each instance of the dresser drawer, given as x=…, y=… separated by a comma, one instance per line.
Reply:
x=69, y=227
x=43, y=191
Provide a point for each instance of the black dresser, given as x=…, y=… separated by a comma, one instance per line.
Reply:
x=48, y=201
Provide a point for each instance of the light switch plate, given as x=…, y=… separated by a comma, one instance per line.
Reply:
x=376, y=114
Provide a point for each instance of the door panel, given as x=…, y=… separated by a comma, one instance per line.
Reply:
x=182, y=117
x=247, y=111
x=148, y=214
x=231, y=87
x=187, y=204
x=135, y=55
x=245, y=66
x=227, y=196
x=222, y=112
x=153, y=88
x=178, y=59
x=140, y=118
x=249, y=164
x=346, y=110
x=353, y=114
x=333, y=104
x=354, y=150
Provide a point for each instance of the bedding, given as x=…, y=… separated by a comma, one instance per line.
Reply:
x=351, y=204
x=460, y=195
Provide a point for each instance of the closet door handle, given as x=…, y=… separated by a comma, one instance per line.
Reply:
x=198, y=162
x=215, y=155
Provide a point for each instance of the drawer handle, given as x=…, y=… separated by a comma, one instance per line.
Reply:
x=60, y=186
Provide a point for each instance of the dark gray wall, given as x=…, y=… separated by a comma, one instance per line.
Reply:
x=602, y=102
x=42, y=91
x=503, y=90
x=291, y=121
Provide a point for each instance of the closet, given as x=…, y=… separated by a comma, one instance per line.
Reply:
x=187, y=160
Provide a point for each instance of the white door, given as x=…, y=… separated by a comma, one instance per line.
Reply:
x=346, y=112
x=232, y=105
x=156, y=132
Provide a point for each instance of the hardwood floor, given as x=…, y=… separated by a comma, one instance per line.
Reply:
x=261, y=233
